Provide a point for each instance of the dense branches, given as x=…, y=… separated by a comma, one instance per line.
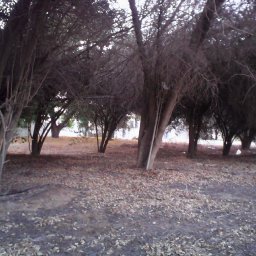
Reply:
x=200, y=54
x=161, y=92
x=41, y=36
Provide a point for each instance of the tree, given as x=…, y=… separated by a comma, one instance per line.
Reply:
x=195, y=108
x=106, y=115
x=232, y=59
x=160, y=92
x=65, y=120
x=112, y=92
x=246, y=138
x=19, y=76
x=44, y=116
x=38, y=34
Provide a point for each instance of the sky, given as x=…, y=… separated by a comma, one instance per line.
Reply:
x=123, y=4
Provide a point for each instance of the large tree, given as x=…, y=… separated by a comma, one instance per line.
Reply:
x=35, y=36
x=232, y=57
x=19, y=75
x=161, y=91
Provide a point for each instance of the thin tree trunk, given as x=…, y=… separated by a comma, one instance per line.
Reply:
x=227, y=146
x=2, y=143
x=97, y=134
x=104, y=132
x=106, y=139
x=8, y=122
x=192, y=145
x=195, y=120
x=35, y=146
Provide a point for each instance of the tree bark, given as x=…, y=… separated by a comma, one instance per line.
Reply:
x=36, y=147
x=55, y=130
x=227, y=143
x=195, y=120
x=36, y=144
x=105, y=140
x=148, y=119
x=247, y=138
x=40, y=132
x=193, y=139
x=163, y=123
x=246, y=143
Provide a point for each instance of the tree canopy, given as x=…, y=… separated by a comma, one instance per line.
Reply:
x=163, y=59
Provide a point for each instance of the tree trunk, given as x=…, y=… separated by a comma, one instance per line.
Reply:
x=195, y=120
x=104, y=132
x=8, y=123
x=164, y=119
x=246, y=143
x=154, y=122
x=227, y=143
x=148, y=119
x=104, y=142
x=55, y=129
x=216, y=132
x=36, y=144
x=39, y=134
x=247, y=138
x=3, y=149
x=193, y=139
x=55, y=132
x=36, y=147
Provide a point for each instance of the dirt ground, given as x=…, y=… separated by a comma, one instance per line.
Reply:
x=73, y=201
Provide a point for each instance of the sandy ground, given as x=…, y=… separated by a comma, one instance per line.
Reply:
x=73, y=201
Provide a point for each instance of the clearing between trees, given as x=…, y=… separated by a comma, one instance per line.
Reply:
x=73, y=201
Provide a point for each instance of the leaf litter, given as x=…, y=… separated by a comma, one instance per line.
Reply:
x=82, y=203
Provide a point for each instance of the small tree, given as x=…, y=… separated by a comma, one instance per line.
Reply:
x=194, y=107
x=106, y=115
x=46, y=107
x=112, y=91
